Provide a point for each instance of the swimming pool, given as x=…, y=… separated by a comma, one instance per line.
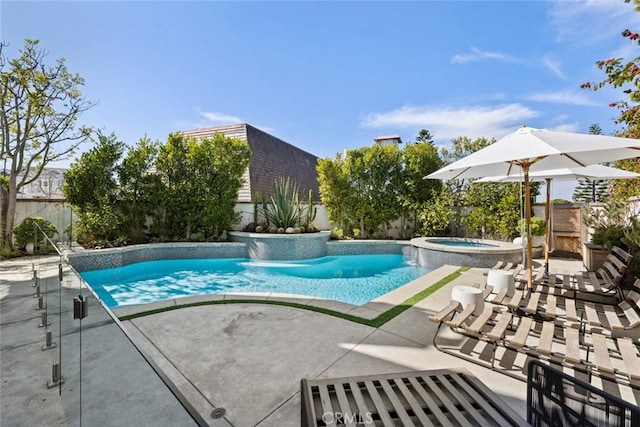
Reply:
x=354, y=279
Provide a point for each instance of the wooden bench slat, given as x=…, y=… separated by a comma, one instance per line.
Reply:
x=462, y=316
x=592, y=314
x=572, y=345
x=480, y=321
x=475, y=395
x=612, y=318
x=358, y=397
x=500, y=296
x=344, y=403
x=570, y=309
x=629, y=353
x=617, y=262
x=498, y=331
x=379, y=404
x=566, y=280
x=514, y=302
x=397, y=406
x=413, y=402
x=630, y=313
x=452, y=388
x=439, y=317
x=447, y=402
x=546, y=338
x=325, y=401
x=595, y=282
x=601, y=354
x=624, y=255
x=616, y=274
x=532, y=304
x=551, y=306
x=520, y=337
x=609, y=282
x=426, y=396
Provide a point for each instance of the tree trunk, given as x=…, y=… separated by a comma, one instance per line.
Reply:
x=4, y=209
x=9, y=218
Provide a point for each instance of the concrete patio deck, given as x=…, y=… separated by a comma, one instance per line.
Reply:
x=247, y=358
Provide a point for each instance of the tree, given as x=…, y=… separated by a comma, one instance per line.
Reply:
x=419, y=159
x=335, y=191
x=202, y=180
x=424, y=136
x=589, y=190
x=92, y=187
x=39, y=108
x=487, y=210
x=140, y=189
x=95, y=174
x=624, y=75
x=361, y=191
x=217, y=165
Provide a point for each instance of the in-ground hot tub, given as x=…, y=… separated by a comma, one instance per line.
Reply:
x=434, y=252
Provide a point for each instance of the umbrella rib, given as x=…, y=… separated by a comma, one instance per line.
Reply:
x=574, y=160
x=463, y=171
x=526, y=162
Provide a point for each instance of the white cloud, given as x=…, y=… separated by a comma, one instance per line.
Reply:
x=554, y=66
x=219, y=118
x=565, y=97
x=448, y=122
x=586, y=22
x=479, y=55
x=566, y=127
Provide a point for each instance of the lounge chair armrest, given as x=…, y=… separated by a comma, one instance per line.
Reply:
x=440, y=316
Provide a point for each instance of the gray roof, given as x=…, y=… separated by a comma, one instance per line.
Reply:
x=271, y=159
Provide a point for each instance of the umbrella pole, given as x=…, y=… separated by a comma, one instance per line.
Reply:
x=527, y=216
x=547, y=218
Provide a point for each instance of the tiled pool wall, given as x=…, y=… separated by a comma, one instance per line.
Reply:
x=117, y=257
x=282, y=246
x=427, y=252
x=367, y=247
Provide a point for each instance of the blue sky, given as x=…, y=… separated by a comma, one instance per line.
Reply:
x=326, y=76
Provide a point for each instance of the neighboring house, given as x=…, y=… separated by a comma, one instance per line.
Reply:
x=47, y=186
x=387, y=140
x=271, y=158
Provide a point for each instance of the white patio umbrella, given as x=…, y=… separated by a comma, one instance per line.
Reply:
x=594, y=172
x=529, y=150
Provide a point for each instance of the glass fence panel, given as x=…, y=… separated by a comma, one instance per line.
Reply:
x=102, y=378
x=119, y=387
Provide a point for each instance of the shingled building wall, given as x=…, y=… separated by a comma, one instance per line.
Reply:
x=271, y=158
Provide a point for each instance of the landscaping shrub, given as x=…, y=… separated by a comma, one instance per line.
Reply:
x=26, y=231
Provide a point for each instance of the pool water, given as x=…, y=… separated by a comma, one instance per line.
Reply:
x=354, y=279
x=464, y=244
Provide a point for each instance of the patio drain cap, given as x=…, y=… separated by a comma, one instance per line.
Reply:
x=218, y=413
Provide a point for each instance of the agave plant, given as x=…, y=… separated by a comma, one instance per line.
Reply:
x=285, y=209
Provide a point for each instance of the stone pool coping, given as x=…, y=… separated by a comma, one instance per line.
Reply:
x=367, y=312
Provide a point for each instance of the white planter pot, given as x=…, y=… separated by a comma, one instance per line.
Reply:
x=536, y=241
x=29, y=247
